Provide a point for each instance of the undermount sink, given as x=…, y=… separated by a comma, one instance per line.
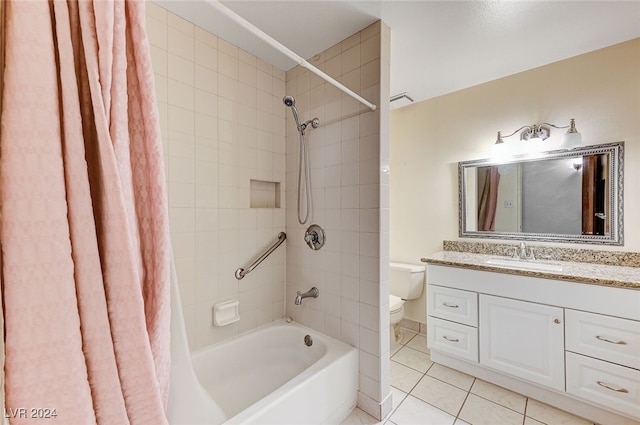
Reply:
x=516, y=263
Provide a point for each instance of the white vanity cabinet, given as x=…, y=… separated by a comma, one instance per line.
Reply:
x=569, y=344
x=523, y=339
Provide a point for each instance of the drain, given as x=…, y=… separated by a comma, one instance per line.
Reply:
x=308, y=341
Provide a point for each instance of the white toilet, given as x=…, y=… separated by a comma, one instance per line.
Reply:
x=406, y=282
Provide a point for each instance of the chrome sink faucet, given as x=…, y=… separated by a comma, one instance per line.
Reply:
x=521, y=252
x=311, y=293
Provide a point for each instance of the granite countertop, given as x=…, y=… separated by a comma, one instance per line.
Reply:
x=599, y=274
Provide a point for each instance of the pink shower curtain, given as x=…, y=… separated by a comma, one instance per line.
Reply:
x=84, y=223
x=489, y=200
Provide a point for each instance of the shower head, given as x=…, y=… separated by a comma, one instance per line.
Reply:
x=289, y=101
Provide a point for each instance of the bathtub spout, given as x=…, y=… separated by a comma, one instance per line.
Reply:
x=313, y=293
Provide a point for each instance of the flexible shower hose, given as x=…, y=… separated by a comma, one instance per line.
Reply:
x=306, y=176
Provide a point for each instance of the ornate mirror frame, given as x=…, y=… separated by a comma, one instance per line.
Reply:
x=614, y=215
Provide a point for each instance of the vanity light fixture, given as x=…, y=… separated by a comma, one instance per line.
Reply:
x=539, y=132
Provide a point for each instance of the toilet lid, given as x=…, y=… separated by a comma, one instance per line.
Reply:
x=395, y=303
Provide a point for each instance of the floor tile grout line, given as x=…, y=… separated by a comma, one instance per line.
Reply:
x=421, y=378
x=499, y=404
x=410, y=367
x=465, y=400
x=449, y=383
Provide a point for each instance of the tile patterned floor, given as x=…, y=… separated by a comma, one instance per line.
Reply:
x=426, y=393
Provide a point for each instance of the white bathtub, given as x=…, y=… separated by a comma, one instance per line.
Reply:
x=270, y=376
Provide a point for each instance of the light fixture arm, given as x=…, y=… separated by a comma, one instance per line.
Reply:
x=556, y=126
x=500, y=136
x=541, y=131
x=518, y=130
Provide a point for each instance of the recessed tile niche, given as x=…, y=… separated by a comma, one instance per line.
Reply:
x=264, y=194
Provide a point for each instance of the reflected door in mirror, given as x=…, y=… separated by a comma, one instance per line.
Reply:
x=595, y=169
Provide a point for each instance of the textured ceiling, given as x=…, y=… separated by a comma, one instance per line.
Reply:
x=437, y=47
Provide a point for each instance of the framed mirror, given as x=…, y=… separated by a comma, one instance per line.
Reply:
x=560, y=196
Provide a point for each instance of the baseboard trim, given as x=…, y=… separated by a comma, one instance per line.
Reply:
x=378, y=410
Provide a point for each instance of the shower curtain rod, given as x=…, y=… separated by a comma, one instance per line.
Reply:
x=286, y=51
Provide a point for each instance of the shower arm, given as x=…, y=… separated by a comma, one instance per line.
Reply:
x=286, y=51
x=314, y=123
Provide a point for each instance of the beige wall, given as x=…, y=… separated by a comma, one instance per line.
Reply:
x=350, y=201
x=600, y=89
x=223, y=124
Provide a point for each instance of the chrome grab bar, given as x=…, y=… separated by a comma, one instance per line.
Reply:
x=240, y=273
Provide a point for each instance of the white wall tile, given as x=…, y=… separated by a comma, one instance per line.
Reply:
x=159, y=59
x=157, y=32
x=176, y=22
x=181, y=44
x=180, y=69
x=345, y=154
x=181, y=94
x=264, y=81
x=350, y=59
x=205, y=37
x=228, y=87
x=369, y=340
x=181, y=120
x=227, y=48
x=205, y=79
x=206, y=55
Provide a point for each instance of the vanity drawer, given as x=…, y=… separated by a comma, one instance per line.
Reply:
x=604, y=337
x=452, y=338
x=612, y=386
x=453, y=304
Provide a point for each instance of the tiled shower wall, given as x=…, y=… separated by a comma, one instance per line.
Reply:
x=223, y=124
x=349, y=172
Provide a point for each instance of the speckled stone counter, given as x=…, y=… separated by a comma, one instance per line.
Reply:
x=582, y=272
x=610, y=258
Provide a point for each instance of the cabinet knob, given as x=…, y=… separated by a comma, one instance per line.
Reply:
x=557, y=321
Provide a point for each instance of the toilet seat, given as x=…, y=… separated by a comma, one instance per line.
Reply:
x=395, y=304
x=396, y=312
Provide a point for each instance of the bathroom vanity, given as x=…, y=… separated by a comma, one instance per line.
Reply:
x=569, y=338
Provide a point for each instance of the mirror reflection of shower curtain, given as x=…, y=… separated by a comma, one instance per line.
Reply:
x=488, y=199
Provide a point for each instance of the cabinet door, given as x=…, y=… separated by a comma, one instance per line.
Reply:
x=523, y=339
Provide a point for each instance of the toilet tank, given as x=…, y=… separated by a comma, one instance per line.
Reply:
x=406, y=280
